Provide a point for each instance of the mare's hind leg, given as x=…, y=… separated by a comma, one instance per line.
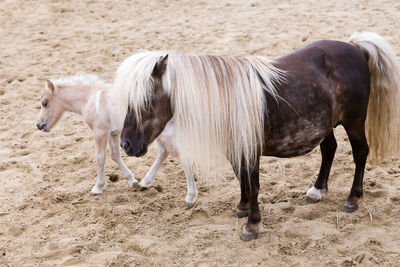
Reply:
x=100, y=138
x=359, y=145
x=320, y=188
x=116, y=156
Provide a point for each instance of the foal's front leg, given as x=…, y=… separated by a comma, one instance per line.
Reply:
x=149, y=179
x=100, y=138
x=116, y=156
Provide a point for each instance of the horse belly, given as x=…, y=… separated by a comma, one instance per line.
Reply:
x=296, y=139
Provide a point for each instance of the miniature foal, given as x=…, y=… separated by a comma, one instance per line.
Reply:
x=90, y=96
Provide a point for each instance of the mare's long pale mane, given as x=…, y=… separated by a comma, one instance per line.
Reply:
x=218, y=102
x=133, y=83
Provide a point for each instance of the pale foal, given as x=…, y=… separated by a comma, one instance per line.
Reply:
x=89, y=96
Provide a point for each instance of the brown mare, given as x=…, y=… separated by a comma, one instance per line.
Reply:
x=245, y=108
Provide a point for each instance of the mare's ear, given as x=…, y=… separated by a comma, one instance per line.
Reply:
x=50, y=86
x=160, y=66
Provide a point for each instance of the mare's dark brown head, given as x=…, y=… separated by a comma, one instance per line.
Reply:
x=137, y=135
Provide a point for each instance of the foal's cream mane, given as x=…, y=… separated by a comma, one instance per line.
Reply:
x=79, y=79
x=218, y=102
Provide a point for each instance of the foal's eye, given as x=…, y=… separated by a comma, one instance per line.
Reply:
x=44, y=104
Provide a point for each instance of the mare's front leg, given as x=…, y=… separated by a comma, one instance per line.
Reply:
x=243, y=207
x=320, y=188
x=100, y=138
x=149, y=179
x=250, y=186
x=192, y=192
x=116, y=156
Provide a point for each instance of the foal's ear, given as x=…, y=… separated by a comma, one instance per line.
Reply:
x=50, y=86
x=160, y=66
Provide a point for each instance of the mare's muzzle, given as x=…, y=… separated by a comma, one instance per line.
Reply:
x=132, y=149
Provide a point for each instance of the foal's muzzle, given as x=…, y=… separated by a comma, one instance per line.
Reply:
x=41, y=126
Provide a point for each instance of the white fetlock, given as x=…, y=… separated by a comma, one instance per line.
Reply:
x=314, y=193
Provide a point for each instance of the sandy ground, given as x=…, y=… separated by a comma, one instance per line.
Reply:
x=47, y=217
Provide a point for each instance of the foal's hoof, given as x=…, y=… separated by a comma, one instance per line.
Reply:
x=97, y=189
x=132, y=182
x=145, y=184
x=190, y=205
x=95, y=192
x=248, y=236
x=140, y=187
x=190, y=200
x=241, y=213
x=349, y=207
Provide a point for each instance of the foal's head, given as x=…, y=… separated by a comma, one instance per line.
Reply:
x=51, y=108
x=139, y=131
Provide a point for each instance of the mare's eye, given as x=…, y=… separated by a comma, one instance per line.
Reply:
x=44, y=104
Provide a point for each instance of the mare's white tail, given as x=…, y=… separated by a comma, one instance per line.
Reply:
x=383, y=117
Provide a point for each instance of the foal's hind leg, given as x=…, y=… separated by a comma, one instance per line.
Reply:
x=360, y=149
x=320, y=188
x=116, y=156
x=100, y=138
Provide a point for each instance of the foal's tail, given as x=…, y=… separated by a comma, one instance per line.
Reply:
x=383, y=116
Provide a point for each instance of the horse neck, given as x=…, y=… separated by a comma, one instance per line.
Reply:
x=75, y=97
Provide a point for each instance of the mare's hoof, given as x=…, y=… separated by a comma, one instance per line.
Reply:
x=248, y=236
x=311, y=199
x=241, y=213
x=314, y=195
x=349, y=207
